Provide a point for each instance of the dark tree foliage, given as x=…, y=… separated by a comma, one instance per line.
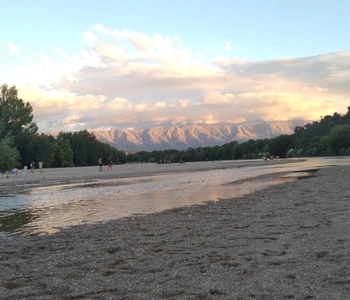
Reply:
x=40, y=148
x=62, y=153
x=338, y=140
x=16, y=115
x=87, y=149
x=280, y=145
x=313, y=138
x=71, y=149
x=9, y=155
x=329, y=136
x=16, y=118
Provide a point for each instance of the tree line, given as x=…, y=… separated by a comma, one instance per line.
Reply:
x=328, y=137
x=20, y=143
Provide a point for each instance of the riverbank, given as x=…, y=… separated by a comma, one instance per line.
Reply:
x=58, y=176
x=287, y=242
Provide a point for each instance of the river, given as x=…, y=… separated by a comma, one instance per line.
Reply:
x=45, y=210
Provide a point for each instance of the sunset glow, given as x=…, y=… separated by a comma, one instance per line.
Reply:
x=107, y=70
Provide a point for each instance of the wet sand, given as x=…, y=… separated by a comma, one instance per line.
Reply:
x=291, y=241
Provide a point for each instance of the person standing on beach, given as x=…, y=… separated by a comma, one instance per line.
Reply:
x=100, y=163
x=32, y=166
x=110, y=163
x=41, y=166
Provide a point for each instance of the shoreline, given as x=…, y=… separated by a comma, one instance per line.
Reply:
x=58, y=176
x=290, y=241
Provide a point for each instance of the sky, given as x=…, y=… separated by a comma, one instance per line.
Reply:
x=112, y=64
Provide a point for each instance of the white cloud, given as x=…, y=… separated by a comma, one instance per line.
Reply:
x=180, y=104
x=212, y=98
x=118, y=104
x=143, y=107
x=127, y=79
x=320, y=89
x=161, y=104
x=228, y=46
x=13, y=48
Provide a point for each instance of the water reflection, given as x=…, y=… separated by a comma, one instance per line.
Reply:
x=48, y=209
x=15, y=221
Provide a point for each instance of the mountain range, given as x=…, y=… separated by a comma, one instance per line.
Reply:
x=184, y=137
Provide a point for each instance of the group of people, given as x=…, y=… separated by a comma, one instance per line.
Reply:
x=110, y=164
x=17, y=172
x=40, y=164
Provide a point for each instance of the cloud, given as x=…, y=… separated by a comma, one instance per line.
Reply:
x=161, y=104
x=320, y=89
x=13, y=48
x=123, y=79
x=119, y=104
x=180, y=104
x=228, y=46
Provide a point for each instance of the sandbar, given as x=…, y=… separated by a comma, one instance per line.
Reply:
x=290, y=241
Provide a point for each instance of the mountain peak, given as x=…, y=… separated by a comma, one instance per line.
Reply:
x=184, y=137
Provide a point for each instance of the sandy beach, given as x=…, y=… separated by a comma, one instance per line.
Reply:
x=291, y=241
x=58, y=176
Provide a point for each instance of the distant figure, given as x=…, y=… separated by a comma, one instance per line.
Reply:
x=15, y=171
x=100, y=163
x=32, y=166
x=110, y=163
x=41, y=166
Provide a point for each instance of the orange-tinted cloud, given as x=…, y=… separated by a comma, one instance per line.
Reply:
x=127, y=79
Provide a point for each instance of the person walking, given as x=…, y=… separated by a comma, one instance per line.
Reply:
x=41, y=166
x=100, y=163
x=110, y=163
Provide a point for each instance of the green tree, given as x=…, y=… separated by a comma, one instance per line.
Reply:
x=9, y=157
x=280, y=145
x=121, y=157
x=339, y=139
x=17, y=119
x=78, y=145
x=16, y=115
x=41, y=148
x=87, y=149
x=62, y=154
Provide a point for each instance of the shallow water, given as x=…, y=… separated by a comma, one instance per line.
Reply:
x=46, y=210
